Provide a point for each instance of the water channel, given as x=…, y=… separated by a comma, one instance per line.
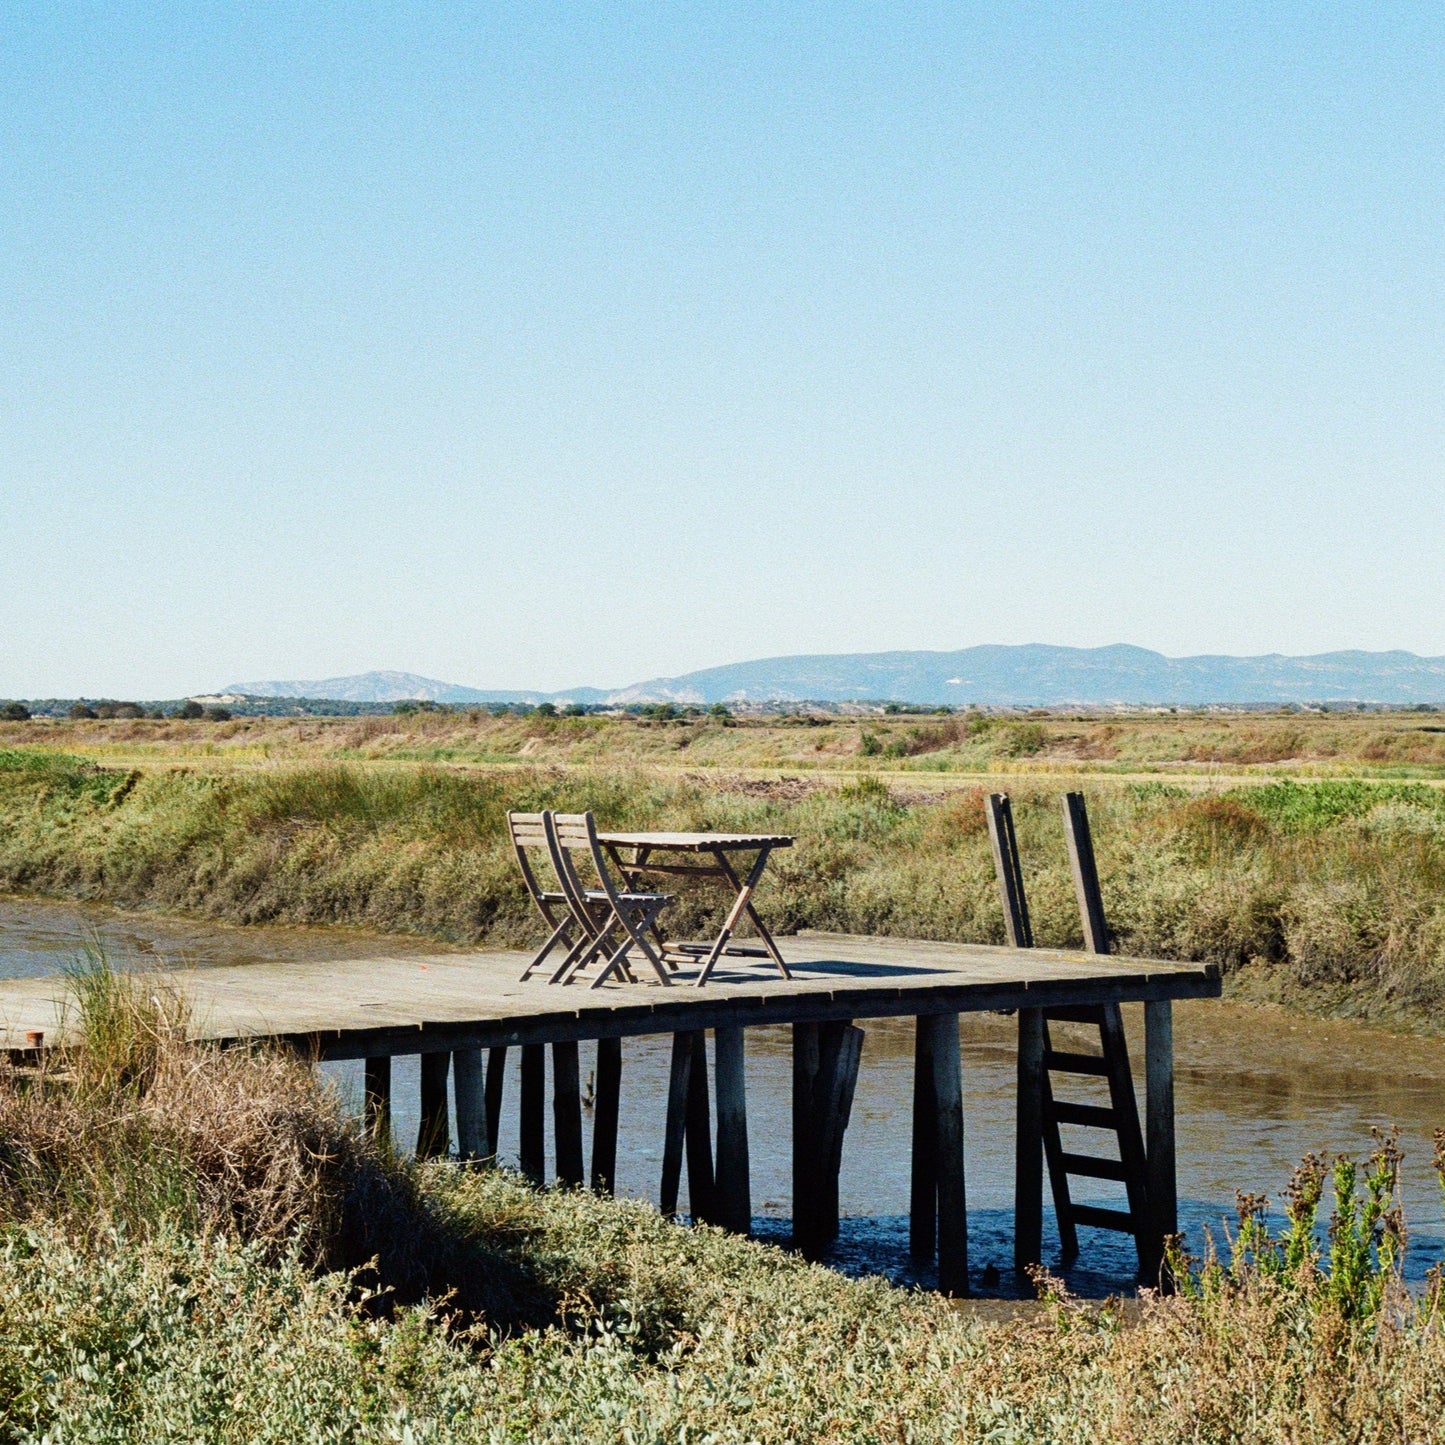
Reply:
x=1256, y=1089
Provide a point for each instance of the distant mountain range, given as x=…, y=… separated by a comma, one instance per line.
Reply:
x=1035, y=675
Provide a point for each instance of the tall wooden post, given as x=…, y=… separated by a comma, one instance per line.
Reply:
x=376, y=1109
x=1162, y=1191
x=432, y=1135
x=605, y=1109
x=732, y=1194
x=948, y=1121
x=496, y=1082
x=567, y=1112
x=806, y=1168
x=675, y=1129
x=1029, y=1142
x=473, y=1143
x=533, y=1151
x=923, y=1185
x=701, y=1191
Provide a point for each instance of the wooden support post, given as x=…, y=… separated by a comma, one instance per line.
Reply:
x=733, y=1206
x=806, y=1169
x=948, y=1118
x=473, y=1143
x=532, y=1154
x=1085, y=873
x=605, y=1108
x=567, y=1112
x=496, y=1082
x=923, y=1189
x=376, y=1106
x=675, y=1129
x=432, y=1135
x=1029, y=1142
x=700, y=1187
x=1016, y=926
x=1159, y=1122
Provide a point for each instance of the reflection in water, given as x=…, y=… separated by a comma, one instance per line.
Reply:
x=1256, y=1089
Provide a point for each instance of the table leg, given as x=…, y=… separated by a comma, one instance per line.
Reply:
x=757, y=872
x=741, y=905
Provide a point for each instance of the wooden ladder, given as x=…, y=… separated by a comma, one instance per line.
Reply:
x=1120, y=1117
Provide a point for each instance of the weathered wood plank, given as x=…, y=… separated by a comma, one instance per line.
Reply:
x=675, y=1128
x=1029, y=1142
x=948, y=1125
x=700, y=1185
x=806, y=1168
x=923, y=1182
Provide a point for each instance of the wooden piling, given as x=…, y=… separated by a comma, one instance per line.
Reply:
x=432, y=1136
x=675, y=1128
x=701, y=1191
x=532, y=1153
x=948, y=1123
x=1085, y=874
x=496, y=1083
x=605, y=1109
x=567, y=1112
x=376, y=1111
x=1029, y=1142
x=473, y=1143
x=732, y=1197
x=1159, y=1123
x=923, y=1184
x=806, y=1169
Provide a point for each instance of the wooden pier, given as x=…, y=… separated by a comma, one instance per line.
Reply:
x=455, y=1009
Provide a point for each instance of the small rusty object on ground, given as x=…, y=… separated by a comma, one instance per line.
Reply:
x=34, y=1038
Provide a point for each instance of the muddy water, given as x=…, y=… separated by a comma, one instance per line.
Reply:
x=1256, y=1089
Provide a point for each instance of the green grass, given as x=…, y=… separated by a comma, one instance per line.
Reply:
x=1327, y=893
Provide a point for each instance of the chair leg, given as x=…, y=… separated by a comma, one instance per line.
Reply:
x=539, y=958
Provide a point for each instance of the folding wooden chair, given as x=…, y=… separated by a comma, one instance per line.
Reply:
x=602, y=911
x=528, y=831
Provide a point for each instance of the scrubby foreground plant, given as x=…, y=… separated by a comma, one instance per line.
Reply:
x=200, y=1245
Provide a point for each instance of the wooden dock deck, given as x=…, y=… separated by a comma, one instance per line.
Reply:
x=451, y=1008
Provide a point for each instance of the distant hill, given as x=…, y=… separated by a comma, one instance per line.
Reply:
x=379, y=687
x=1034, y=675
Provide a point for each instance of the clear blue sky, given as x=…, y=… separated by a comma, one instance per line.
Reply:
x=540, y=345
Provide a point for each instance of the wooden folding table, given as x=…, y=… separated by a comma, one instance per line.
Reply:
x=691, y=849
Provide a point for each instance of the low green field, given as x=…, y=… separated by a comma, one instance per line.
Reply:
x=1321, y=891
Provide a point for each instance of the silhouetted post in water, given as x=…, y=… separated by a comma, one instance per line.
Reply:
x=567, y=1112
x=1159, y=1122
x=432, y=1135
x=1029, y=1142
x=605, y=1110
x=923, y=1187
x=938, y=1152
x=377, y=1112
x=496, y=1082
x=733, y=1206
x=701, y=1191
x=473, y=1142
x=533, y=1151
x=675, y=1128
x=825, y=1074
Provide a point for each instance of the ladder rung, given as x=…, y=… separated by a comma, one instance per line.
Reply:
x=1119, y=1219
x=1092, y=1116
x=1093, y=1167
x=1082, y=1013
x=1076, y=1063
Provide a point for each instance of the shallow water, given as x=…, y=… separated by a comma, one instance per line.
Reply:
x=1256, y=1089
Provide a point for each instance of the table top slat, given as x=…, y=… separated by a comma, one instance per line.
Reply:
x=698, y=842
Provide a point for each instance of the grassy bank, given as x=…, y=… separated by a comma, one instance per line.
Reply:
x=224, y=1306
x=1324, y=892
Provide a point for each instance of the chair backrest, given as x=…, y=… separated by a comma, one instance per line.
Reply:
x=529, y=830
x=571, y=833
